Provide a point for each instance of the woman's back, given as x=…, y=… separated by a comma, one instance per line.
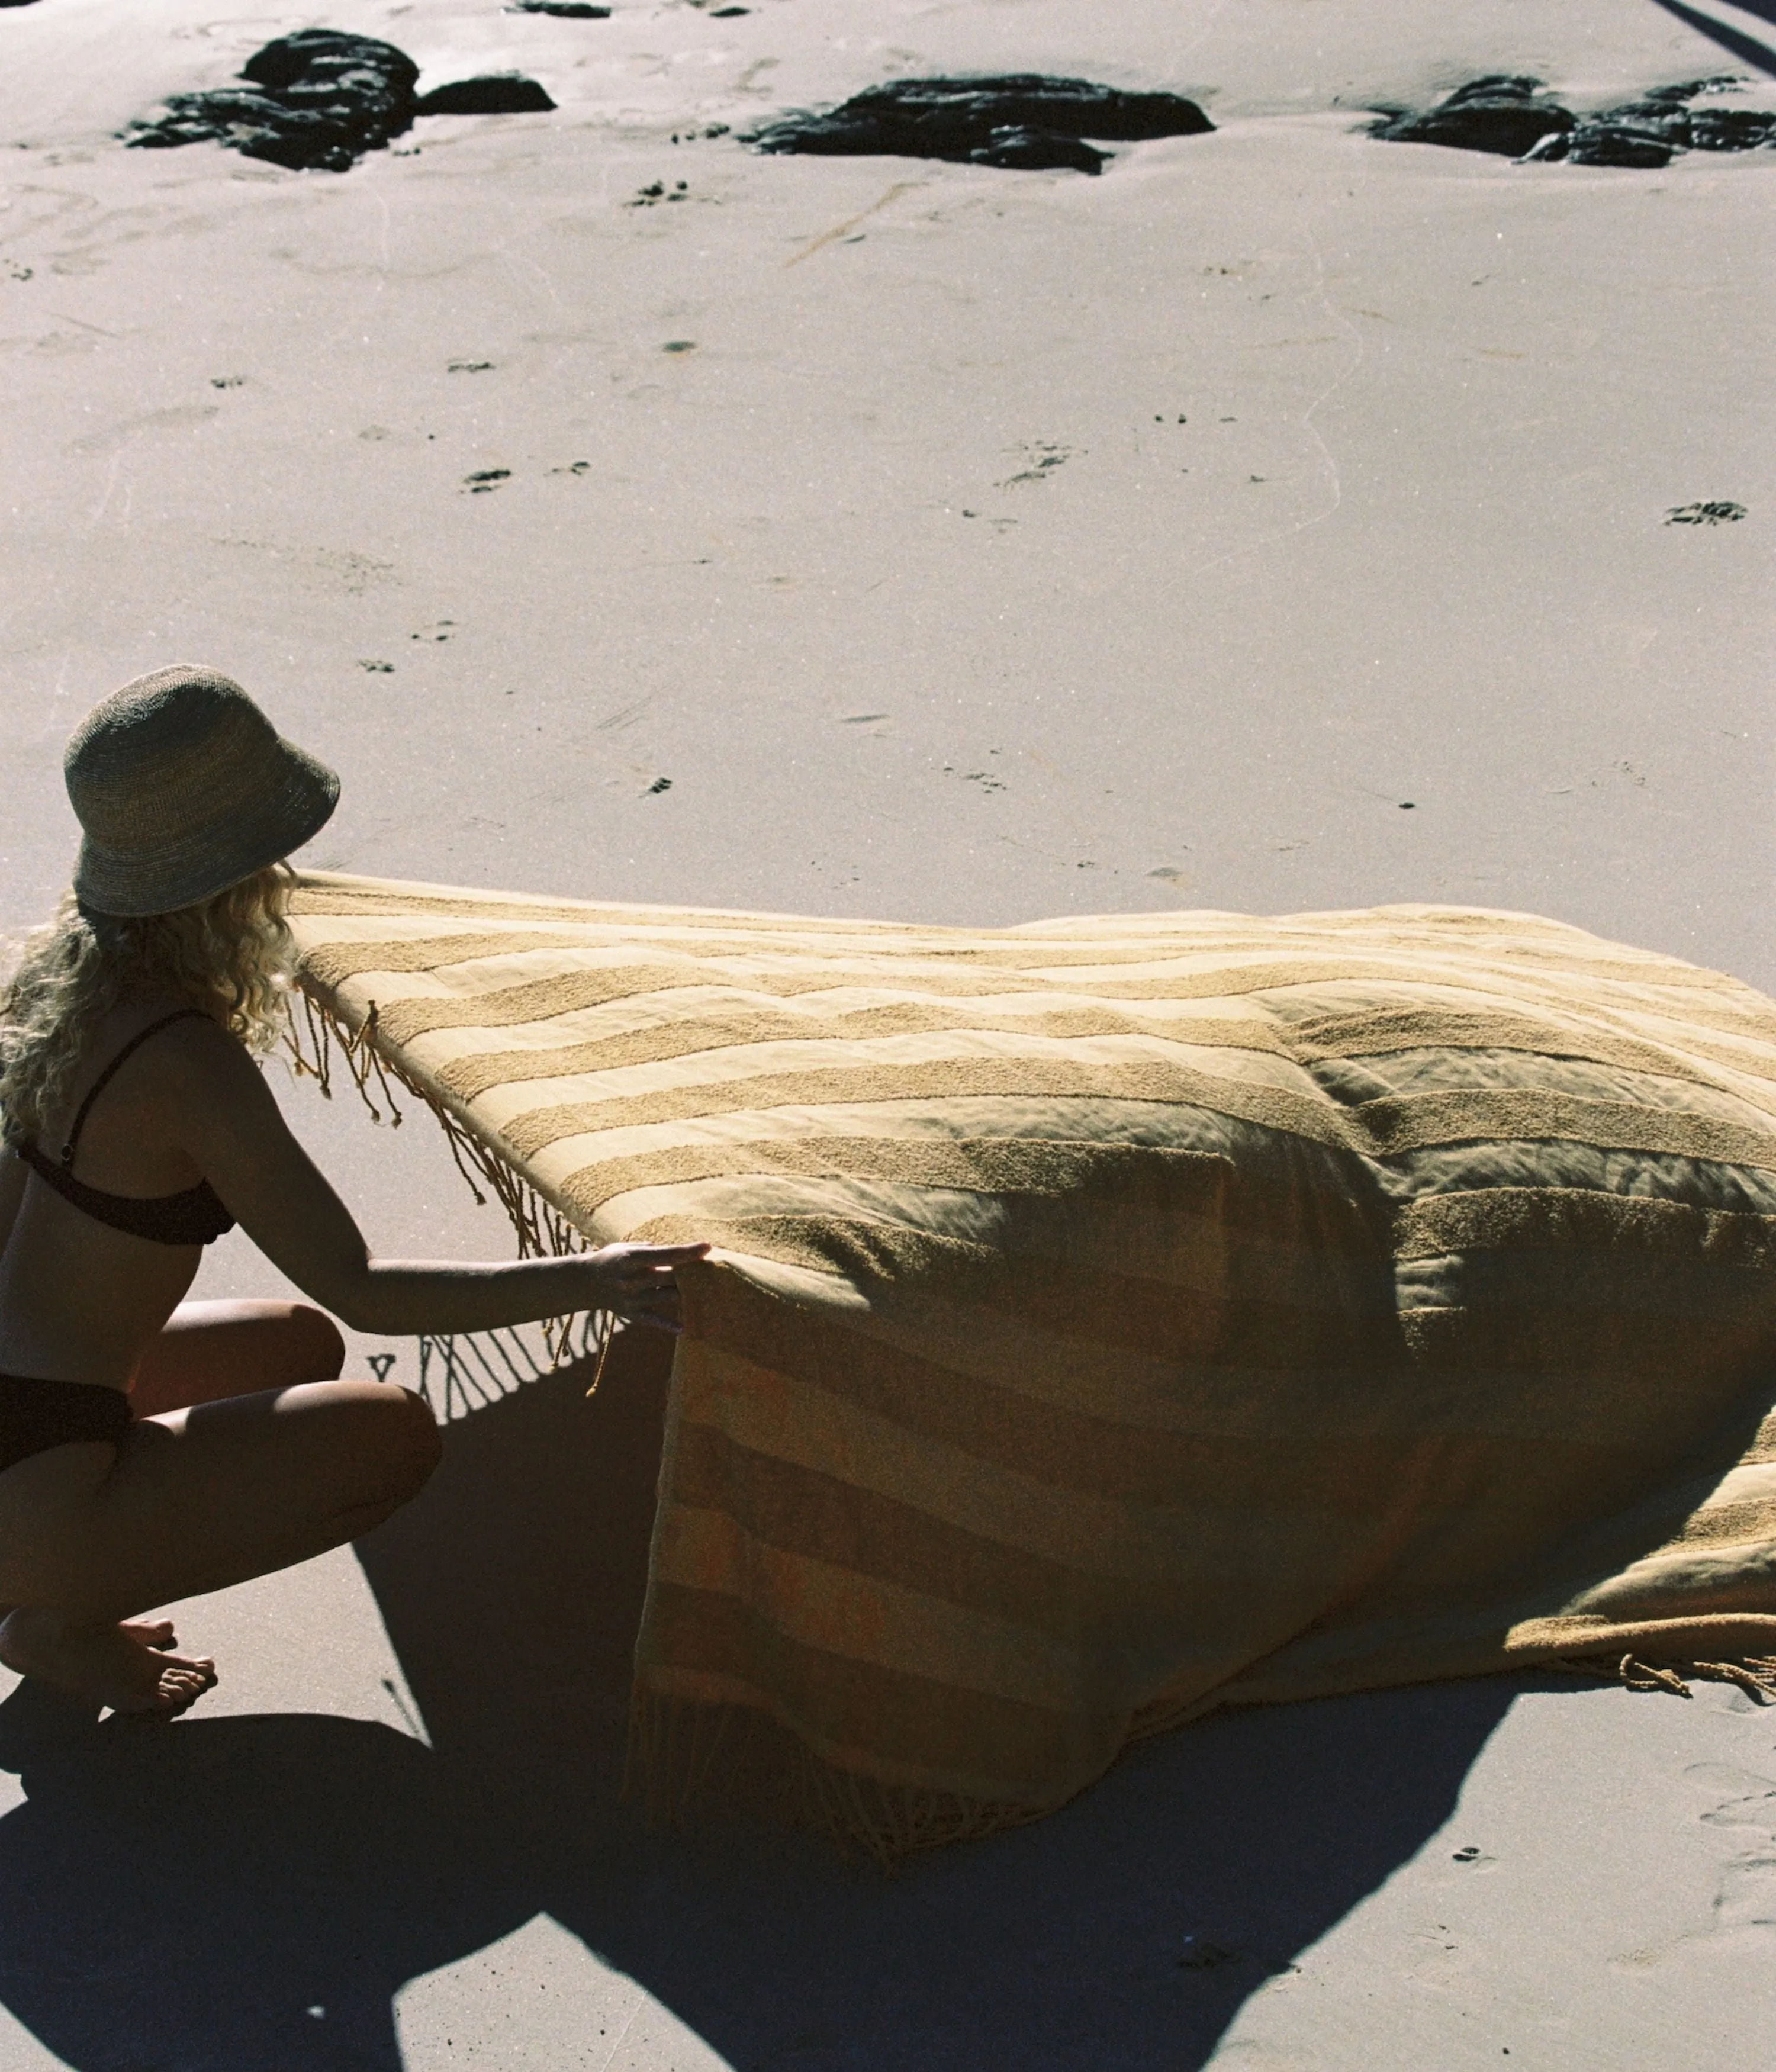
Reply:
x=79, y=1297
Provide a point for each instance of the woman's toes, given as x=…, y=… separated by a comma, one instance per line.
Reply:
x=181, y=1686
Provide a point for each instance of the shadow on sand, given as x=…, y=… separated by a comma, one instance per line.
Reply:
x=182, y=1896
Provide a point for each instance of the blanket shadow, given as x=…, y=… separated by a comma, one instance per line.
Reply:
x=256, y=1890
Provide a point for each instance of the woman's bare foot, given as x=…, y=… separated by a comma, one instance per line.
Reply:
x=151, y=1633
x=108, y=1665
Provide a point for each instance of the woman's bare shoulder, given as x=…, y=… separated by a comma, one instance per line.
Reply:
x=191, y=1072
x=197, y=1056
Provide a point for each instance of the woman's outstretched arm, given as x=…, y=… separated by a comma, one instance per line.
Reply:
x=226, y=1119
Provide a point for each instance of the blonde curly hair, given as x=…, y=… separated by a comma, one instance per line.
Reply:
x=229, y=955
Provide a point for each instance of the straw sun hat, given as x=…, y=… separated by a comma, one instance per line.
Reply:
x=182, y=787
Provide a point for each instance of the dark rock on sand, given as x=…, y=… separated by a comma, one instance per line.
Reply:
x=1731, y=128
x=1646, y=132
x=1022, y=121
x=1503, y=114
x=323, y=98
x=1608, y=142
x=317, y=98
x=1019, y=148
x=1500, y=113
x=575, y=11
x=498, y=93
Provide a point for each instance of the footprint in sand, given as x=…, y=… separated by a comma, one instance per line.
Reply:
x=1043, y=456
x=116, y=437
x=984, y=778
x=1720, y=513
x=1752, y=1803
x=1746, y=1897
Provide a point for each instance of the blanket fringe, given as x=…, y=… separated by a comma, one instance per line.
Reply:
x=1753, y=1674
x=682, y=1750
x=316, y=1032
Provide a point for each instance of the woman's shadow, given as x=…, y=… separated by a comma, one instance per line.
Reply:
x=253, y=1892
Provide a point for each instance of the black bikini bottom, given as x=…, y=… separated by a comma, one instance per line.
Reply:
x=37, y=1414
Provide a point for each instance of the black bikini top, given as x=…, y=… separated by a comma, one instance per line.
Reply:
x=194, y=1215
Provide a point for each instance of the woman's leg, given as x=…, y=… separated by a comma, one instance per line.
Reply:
x=188, y=1503
x=209, y=1351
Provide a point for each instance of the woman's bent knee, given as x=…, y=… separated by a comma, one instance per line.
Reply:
x=372, y=1443
x=316, y=1342
x=412, y=1445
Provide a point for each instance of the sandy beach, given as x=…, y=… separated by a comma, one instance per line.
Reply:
x=1280, y=520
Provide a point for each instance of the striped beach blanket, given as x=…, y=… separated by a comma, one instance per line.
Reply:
x=1114, y=1319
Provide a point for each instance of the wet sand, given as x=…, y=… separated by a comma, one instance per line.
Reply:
x=1277, y=520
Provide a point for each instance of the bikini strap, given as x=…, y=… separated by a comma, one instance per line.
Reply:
x=105, y=1077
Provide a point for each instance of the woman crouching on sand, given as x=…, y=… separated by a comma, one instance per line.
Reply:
x=149, y=1451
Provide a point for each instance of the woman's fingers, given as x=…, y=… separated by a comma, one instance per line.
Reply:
x=659, y=1308
x=642, y=1285
x=640, y=1265
x=663, y=1256
x=641, y=1282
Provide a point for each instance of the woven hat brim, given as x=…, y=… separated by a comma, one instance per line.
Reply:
x=290, y=811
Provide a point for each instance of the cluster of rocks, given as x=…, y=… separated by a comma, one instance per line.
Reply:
x=322, y=98
x=1024, y=121
x=1505, y=113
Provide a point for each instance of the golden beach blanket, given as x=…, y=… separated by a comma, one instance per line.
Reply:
x=1113, y=1319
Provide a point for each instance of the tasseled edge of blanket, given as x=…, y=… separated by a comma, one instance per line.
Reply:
x=1753, y=1674
x=317, y=1035
x=683, y=1752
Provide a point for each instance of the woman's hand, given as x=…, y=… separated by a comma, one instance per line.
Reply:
x=636, y=1281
